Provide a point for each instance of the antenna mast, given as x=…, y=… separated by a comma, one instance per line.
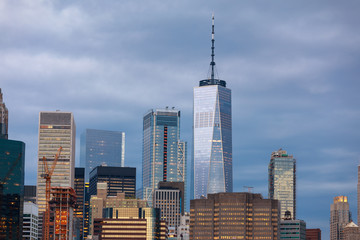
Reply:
x=212, y=51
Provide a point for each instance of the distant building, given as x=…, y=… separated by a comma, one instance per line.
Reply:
x=79, y=187
x=30, y=193
x=212, y=135
x=31, y=217
x=56, y=129
x=351, y=232
x=4, y=118
x=313, y=234
x=230, y=215
x=12, y=161
x=164, y=154
x=118, y=207
x=291, y=228
x=282, y=181
x=339, y=217
x=101, y=148
x=144, y=223
x=86, y=211
x=118, y=179
x=358, y=196
x=169, y=198
x=183, y=230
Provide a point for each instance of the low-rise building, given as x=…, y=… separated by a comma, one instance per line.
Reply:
x=30, y=221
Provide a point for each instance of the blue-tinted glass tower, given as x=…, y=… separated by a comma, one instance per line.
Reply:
x=12, y=161
x=212, y=135
x=164, y=154
x=101, y=148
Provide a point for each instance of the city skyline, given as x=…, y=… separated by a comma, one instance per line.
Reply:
x=293, y=70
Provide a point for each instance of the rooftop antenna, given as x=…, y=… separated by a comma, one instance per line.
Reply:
x=212, y=64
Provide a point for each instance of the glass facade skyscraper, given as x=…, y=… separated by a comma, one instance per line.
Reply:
x=282, y=181
x=164, y=155
x=12, y=162
x=101, y=148
x=212, y=136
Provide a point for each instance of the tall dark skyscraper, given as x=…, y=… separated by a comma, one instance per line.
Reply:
x=79, y=187
x=4, y=117
x=164, y=154
x=101, y=148
x=12, y=161
x=212, y=135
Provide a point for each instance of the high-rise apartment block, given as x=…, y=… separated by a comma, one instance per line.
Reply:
x=234, y=216
x=79, y=187
x=30, y=220
x=56, y=129
x=313, y=234
x=164, y=154
x=101, y=148
x=4, y=118
x=282, y=181
x=118, y=179
x=12, y=161
x=212, y=135
x=169, y=198
x=339, y=217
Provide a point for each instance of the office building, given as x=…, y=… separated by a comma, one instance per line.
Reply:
x=118, y=179
x=130, y=223
x=351, y=232
x=4, y=118
x=234, y=215
x=282, y=181
x=79, y=187
x=101, y=148
x=86, y=210
x=169, y=198
x=30, y=220
x=56, y=129
x=30, y=193
x=339, y=217
x=313, y=234
x=12, y=161
x=212, y=135
x=183, y=230
x=292, y=228
x=164, y=154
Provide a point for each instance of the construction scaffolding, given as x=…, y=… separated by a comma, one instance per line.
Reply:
x=61, y=213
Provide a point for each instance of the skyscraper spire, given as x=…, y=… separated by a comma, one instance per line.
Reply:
x=212, y=64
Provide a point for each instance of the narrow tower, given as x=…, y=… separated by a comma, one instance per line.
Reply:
x=4, y=114
x=212, y=134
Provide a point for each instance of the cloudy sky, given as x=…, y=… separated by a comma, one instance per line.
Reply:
x=292, y=66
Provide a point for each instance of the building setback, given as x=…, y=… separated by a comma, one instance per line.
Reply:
x=164, y=154
x=282, y=181
x=234, y=216
x=118, y=179
x=212, y=135
x=101, y=148
x=292, y=228
x=339, y=217
x=12, y=161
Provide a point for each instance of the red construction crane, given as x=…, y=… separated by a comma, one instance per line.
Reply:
x=47, y=176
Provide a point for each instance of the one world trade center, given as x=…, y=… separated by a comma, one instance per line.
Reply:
x=212, y=134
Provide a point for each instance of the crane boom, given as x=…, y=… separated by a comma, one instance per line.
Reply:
x=47, y=176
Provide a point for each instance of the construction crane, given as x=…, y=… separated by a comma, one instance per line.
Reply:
x=47, y=176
